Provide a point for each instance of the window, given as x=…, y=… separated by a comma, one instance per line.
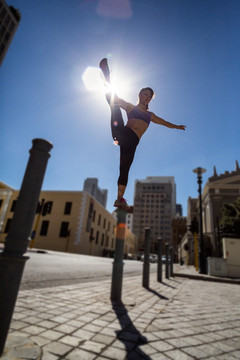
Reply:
x=68, y=207
x=97, y=237
x=102, y=243
x=1, y=201
x=64, y=232
x=104, y=223
x=7, y=226
x=99, y=219
x=13, y=205
x=94, y=215
x=44, y=228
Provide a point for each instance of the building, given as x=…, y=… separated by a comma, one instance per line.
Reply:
x=179, y=229
x=154, y=207
x=219, y=189
x=91, y=186
x=9, y=21
x=67, y=221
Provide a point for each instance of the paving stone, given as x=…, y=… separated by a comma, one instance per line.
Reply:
x=104, y=339
x=92, y=346
x=48, y=356
x=34, y=330
x=113, y=353
x=57, y=348
x=83, y=334
x=79, y=354
x=178, y=355
x=52, y=334
x=161, y=346
x=70, y=340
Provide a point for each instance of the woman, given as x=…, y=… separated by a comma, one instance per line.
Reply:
x=128, y=136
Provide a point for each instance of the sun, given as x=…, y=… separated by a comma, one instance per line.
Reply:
x=93, y=80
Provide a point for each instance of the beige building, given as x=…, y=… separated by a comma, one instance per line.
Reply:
x=219, y=189
x=68, y=221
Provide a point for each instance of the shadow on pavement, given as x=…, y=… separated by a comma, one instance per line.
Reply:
x=173, y=287
x=157, y=294
x=130, y=336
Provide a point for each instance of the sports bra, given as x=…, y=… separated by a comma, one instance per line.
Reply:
x=138, y=114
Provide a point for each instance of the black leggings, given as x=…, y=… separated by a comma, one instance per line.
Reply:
x=127, y=140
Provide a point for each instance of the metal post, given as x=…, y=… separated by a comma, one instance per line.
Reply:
x=159, y=269
x=12, y=261
x=117, y=272
x=167, y=262
x=171, y=261
x=202, y=260
x=146, y=264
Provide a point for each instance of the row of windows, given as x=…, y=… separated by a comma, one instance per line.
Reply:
x=100, y=238
x=46, y=207
x=63, y=232
x=99, y=221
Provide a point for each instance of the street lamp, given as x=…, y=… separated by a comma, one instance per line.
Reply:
x=202, y=261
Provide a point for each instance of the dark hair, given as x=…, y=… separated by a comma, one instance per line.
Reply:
x=149, y=89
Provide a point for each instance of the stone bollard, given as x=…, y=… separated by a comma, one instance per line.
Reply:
x=146, y=264
x=12, y=261
x=167, y=261
x=171, y=262
x=159, y=269
x=117, y=272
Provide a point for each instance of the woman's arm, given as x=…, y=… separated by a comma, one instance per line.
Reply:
x=160, y=121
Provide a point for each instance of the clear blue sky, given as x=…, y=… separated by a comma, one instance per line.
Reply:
x=188, y=51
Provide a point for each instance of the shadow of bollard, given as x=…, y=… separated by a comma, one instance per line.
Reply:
x=129, y=335
x=12, y=261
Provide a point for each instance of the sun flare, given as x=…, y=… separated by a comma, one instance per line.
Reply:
x=93, y=80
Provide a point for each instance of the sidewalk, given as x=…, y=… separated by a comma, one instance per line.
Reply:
x=179, y=319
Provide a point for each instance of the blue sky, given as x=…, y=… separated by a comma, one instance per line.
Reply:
x=188, y=51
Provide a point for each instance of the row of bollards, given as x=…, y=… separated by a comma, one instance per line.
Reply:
x=146, y=263
x=117, y=271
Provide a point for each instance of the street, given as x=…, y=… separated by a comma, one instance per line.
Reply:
x=51, y=268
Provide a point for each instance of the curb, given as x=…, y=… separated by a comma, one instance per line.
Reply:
x=208, y=278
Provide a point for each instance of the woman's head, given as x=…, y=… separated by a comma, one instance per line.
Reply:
x=145, y=96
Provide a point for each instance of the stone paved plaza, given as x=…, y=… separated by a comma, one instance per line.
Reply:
x=179, y=319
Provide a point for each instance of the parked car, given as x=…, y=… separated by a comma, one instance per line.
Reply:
x=152, y=258
x=164, y=259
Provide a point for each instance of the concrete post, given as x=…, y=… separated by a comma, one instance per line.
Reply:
x=171, y=261
x=146, y=264
x=117, y=272
x=159, y=269
x=12, y=261
x=167, y=261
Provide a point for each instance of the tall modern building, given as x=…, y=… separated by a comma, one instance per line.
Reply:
x=9, y=21
x=91, y=186
x=154, y=207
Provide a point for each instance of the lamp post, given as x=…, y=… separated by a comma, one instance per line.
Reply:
x=202, y=261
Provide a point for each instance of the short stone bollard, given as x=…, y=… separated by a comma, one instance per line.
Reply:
x=159, y=268
x=117, y=272
x=146, y=263
x=167, y=261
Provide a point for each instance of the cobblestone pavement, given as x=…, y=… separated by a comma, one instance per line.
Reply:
x=179, y=319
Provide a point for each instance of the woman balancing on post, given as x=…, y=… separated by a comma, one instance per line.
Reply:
x=128, y=136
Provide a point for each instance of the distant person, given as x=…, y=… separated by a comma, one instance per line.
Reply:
x=128, y=136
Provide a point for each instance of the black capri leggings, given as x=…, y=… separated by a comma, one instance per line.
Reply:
x=127, y=140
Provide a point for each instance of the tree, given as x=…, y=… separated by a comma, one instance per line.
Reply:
x=230, y=221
